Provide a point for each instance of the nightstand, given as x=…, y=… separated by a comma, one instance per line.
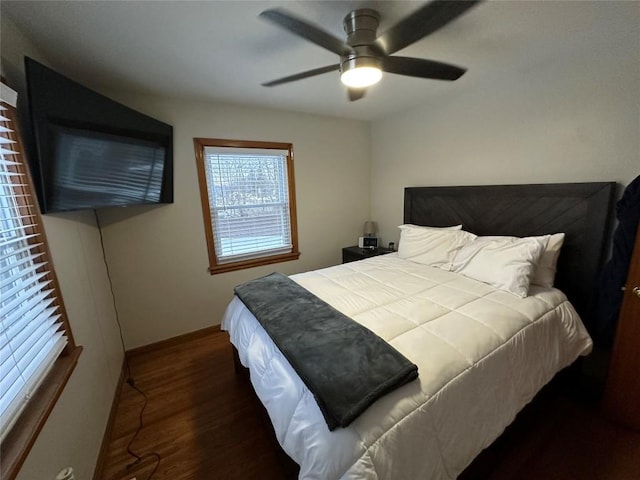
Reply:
x=352, y=254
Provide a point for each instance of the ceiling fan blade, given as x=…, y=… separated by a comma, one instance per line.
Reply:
x=422, y=22
x=306, y=30
x=356, y=93
x=301, y=75
x=418, y=67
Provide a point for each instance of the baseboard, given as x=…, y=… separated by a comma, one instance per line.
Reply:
x=173, y=341
x=98, y=471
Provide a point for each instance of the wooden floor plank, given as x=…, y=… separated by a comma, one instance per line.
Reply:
x=206, y=423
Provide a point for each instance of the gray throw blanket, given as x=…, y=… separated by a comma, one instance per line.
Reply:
x=346, y=366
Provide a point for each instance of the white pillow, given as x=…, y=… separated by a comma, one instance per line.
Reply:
x=431, y=245
x=545, y=273
x=426, y=227
x=507, y=263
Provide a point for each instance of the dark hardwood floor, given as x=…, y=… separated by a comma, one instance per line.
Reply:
x=205, y=423
x=201, y=418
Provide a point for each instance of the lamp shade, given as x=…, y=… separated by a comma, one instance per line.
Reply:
x=370, y=228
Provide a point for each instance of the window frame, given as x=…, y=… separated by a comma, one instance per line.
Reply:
x=216, y=267
x=18, y=442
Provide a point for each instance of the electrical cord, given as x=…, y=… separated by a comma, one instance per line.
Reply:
x=139, y=458
x=129, y=380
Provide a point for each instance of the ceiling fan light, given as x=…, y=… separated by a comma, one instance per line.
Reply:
x=361, y=77
x=361, y=72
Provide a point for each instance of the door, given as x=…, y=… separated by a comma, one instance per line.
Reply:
x=622, y=393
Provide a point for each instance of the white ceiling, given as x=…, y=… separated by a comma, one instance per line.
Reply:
x=222, y=51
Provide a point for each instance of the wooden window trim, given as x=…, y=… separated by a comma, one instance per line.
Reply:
x=16, y=445
x=214, y=266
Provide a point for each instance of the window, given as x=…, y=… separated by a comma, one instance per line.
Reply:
x=248, y=202
x=37, y=351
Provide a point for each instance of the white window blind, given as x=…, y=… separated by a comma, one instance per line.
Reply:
x=30, y=333
x=249, y=202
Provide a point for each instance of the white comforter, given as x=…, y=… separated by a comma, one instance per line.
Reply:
x=482, y=355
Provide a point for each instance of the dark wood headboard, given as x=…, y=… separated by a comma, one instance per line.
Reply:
x=582, y=211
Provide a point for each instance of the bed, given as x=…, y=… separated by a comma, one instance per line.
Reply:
x=482, y=353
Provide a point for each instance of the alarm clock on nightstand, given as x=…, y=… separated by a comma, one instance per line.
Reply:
x=368, y=242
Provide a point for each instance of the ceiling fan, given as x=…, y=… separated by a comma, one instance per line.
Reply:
x=365, y=55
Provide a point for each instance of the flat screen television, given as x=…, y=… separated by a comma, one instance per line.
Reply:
x=90, y=152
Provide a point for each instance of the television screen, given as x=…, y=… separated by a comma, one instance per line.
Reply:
x=89, y=151
x=98, y=169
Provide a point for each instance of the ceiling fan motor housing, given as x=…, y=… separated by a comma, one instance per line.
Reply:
x=361, y=27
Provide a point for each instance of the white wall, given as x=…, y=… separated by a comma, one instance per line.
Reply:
x=158, y=255
x=573, y=119
x=73, y=433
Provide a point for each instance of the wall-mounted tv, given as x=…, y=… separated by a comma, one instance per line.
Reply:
x=89, y=151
